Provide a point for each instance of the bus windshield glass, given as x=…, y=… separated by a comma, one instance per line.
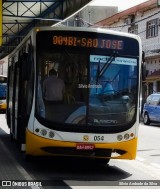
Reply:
x=112, y=96
x=87, y=80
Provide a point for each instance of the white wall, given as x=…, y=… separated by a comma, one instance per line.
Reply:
x=148, y=44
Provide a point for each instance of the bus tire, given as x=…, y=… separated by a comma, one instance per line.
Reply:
x=146, y=119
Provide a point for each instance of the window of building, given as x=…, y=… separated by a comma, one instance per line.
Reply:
x=133, y=29
x=152, y=28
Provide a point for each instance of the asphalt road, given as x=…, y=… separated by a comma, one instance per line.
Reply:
x=79, y=173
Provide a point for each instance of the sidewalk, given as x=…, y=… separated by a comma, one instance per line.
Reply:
x=10, y=169
x=3, y=123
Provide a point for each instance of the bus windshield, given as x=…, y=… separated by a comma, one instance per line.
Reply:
x=113, y=89
x=90, y=85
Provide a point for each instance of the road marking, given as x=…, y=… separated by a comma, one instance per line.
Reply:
x=156, y=165
x=18, y=166
x=4, y=126
x=140, y=159
x=6, y=130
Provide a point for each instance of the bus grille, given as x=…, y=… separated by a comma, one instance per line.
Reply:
x=69, y=151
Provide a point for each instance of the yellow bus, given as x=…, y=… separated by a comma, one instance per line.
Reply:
x=3, y=88
x=98, y=116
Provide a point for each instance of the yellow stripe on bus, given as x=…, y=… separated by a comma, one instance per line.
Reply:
x=34, y=144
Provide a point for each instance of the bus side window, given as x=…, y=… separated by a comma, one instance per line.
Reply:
x=26, y=84
x=30, y=79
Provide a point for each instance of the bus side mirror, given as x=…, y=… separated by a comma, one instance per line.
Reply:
x=144, y=71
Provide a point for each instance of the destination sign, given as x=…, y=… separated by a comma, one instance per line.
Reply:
x=87, y=42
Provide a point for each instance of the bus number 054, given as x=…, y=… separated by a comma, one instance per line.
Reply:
x=98, y=138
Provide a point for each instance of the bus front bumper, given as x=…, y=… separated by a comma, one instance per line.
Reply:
x=38, y=146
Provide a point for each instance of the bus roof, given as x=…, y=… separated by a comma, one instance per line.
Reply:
x=80, y=29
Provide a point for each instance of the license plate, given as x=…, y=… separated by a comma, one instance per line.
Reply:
x=84, y=146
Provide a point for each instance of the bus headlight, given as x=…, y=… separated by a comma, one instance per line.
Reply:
x=126, y=136
x=43, y=132
x=51, y=134
x=119, y=137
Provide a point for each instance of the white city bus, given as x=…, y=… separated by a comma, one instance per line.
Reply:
x=99, y=115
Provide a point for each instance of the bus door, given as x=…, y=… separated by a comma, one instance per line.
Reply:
x=20, y=99
x=23, y=95
x=12, y=99
x=16, y=96
x=19, y=103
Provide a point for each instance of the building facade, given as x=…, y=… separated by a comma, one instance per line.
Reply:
x=143, y=20
x=90, y=15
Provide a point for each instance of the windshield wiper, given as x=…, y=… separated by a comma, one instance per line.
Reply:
x=97, y=74
x=104, y=68
x=106, y=65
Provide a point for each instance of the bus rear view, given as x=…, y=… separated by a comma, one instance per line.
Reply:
x=97, y=115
